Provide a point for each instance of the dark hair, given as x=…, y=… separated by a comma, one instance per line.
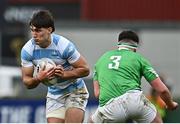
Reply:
x=42, y=19
x=129, y=35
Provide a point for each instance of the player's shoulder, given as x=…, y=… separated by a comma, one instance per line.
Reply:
x=142, y=58
x=59, y=39
x=62, y=42
x=29, y=44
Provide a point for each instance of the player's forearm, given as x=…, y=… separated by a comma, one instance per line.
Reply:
x=76, y=73
x=164, y=93
x=166, y=97
x=30, y=82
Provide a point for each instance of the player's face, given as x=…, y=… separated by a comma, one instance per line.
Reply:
x=41, y=35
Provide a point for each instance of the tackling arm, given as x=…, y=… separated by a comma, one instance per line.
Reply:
x=164, y=92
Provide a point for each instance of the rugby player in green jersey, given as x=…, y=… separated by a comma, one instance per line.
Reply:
x=117, y=85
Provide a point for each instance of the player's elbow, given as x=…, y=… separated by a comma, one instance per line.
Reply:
x=28, y=85
x=164, y=90
x=159, y=86
x=86, y=71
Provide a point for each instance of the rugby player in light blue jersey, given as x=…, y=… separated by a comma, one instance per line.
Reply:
x=67, y=99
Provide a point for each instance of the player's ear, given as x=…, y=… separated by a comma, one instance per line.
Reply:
x=50, y=30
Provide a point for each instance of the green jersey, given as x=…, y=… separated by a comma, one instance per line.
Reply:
x=119, y=71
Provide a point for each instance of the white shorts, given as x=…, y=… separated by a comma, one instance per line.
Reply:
x=57, y=107
x=131, y=105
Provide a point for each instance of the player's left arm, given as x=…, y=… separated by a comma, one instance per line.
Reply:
x=164, y=92
x=80, y=69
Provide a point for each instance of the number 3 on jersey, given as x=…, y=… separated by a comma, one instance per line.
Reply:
x=115, y=62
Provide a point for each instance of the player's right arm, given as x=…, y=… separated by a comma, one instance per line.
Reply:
x=164, y=93
x=27, y=67
x=28, y=79
x=96, y=88
x=96, y=83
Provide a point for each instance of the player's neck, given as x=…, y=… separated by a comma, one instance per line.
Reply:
x=46, y=43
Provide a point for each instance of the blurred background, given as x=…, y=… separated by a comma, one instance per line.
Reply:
x=93, y=26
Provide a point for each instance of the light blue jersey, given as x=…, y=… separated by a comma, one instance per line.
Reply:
x=62, y=52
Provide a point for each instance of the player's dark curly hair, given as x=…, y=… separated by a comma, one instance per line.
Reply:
x=42, y=19
x=130, y=35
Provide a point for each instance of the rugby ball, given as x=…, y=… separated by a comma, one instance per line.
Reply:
x=46, y=64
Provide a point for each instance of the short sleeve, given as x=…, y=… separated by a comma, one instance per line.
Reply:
x=148, y=71
x=26, y=58
x=71, y=53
